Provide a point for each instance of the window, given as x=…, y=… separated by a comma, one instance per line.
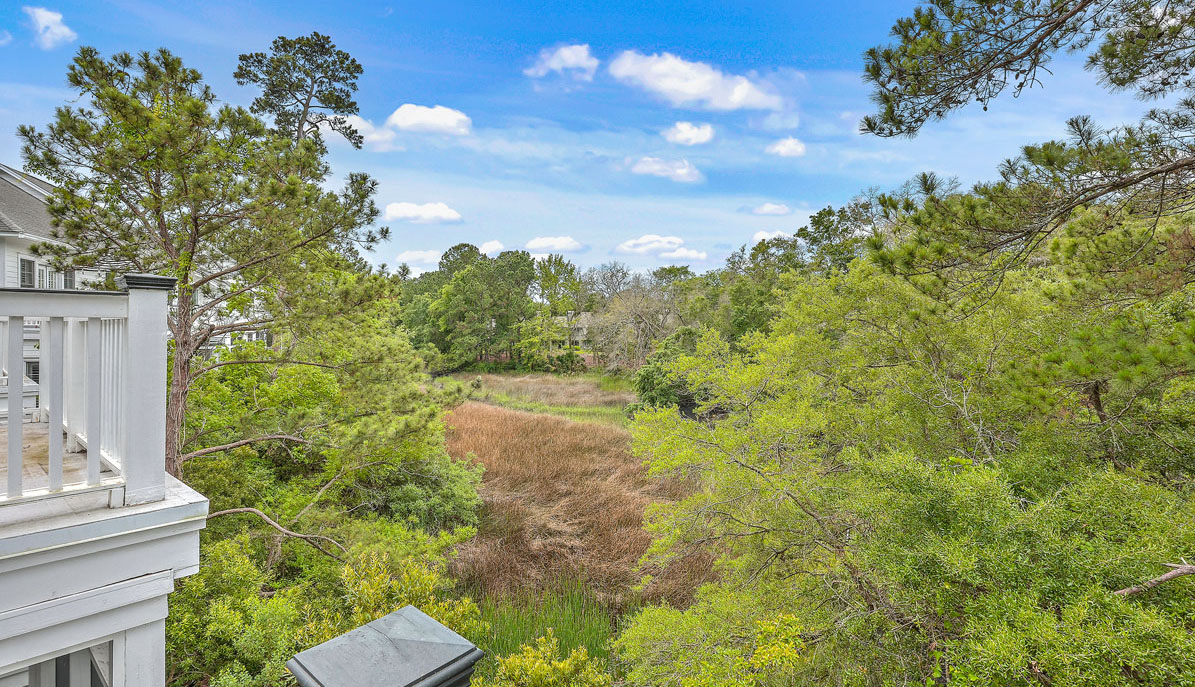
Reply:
x=68, y=279
x=43, y=278
x=27, y=268
x=33, y=371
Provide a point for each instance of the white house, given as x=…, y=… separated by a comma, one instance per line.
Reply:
x=23, y=223
x=93, y=532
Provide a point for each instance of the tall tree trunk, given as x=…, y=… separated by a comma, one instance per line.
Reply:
x=185, y=345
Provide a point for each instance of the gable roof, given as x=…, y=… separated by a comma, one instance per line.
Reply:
x=23, y=201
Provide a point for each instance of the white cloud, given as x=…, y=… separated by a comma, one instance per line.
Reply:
x=557, y=244
x=491, y=247
x=665, y=247
x=692, y=84
x=5, y=38
x=689, y=134
x=436, y=120
x=571, y=59
x=49, y=31
x=418, y=257
x=650, y=243
x=762, y=235
x=684, y=254
x=787, y=147
x=681, y=171
x=376, y=137
x=426, y=213
x=774, y=209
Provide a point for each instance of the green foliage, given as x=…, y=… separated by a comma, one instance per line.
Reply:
x=930, y=492
x=540, y=665
x=234, y=624
x=569, y=609
x=152, y=176
x=726, y=639
x=223, y=627
x=655, y=382
x=306, y=84
x=479, y=311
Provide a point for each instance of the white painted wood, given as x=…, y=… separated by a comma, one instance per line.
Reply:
x=95, y=391
x=63, y=303
x=101, y=658
x=144, y=396
x=125, y=366
x=51, y=395
x=73, y=384
x=16, y=371
x=145, y=655
x=118, y=660
x=79, y=634
x=82, y=565
x=80, y=668
x=43, y=674
x=71, y=607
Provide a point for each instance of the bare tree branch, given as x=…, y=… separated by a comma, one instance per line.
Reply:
x=312, y=539
x=1176, y=570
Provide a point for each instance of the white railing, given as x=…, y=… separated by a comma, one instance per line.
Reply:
x=100, y=392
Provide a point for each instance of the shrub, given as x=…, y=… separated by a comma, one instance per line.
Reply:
x=540, y=665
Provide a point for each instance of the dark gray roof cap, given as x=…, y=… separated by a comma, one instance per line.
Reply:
x=404, y=649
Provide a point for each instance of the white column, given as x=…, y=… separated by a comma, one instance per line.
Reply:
x=144, y=398
x=143, y=660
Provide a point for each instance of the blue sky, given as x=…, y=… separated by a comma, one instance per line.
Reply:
x=648, y=132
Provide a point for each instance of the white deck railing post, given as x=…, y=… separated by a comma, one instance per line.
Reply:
x=143, y=403
x=73, y=384
x=16, y=399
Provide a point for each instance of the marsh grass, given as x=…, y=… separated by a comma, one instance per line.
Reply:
x=561, y=531
x=568, y=606
x=604, y=414
x=591, y=397
x=562, y=499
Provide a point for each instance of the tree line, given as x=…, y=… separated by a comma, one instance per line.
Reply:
x=512, y=310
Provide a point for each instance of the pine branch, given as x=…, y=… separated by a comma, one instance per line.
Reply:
x=242, y=442
x=312, y=539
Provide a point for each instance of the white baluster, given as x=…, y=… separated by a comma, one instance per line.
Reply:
x=94, y=399
x=16, y=400
x=52, y=392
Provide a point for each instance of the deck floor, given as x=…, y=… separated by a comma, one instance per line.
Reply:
x=35, y=459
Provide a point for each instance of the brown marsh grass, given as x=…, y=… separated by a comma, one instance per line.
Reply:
x=553, y=390
x=563, y=500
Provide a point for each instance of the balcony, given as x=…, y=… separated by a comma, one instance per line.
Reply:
x=93, y=532
x=73, y=434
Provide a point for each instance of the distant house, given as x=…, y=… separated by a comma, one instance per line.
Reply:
x=24, y=221
x=576, y=326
